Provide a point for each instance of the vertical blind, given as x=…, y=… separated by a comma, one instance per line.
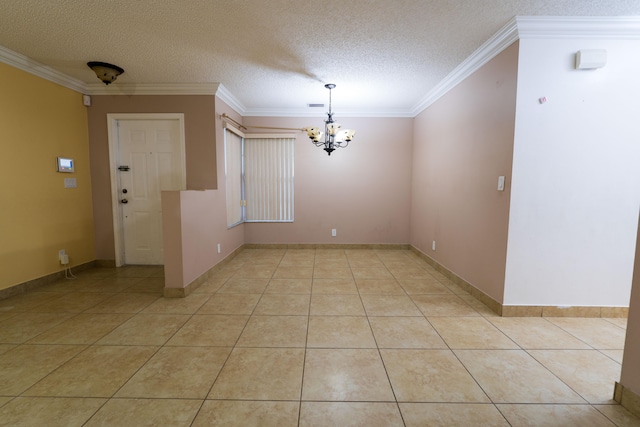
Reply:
x=233, y=175
x=268, y=179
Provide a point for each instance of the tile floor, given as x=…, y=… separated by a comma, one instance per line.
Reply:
x=298, y=338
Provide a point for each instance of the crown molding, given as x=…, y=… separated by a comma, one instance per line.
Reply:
x=600, y=27
x=319, y=112
x=531, y=27
x=504, y=38
x=233, y=102
x=153, y=89
x=28, y=65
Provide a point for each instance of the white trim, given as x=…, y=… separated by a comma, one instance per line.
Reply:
x=233, y=102
x=112, y=132
x=153, y=89
x=24, y=63
x=525, y=27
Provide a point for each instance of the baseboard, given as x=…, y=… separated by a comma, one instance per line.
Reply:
x=523, y=310
x=188, y=290
x=31, y=285
x=381, y=246
x=627, y=398
x=493, y=305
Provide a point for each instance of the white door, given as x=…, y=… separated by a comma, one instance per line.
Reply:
x=150, y=160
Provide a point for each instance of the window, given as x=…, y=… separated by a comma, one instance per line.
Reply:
x=259, y=177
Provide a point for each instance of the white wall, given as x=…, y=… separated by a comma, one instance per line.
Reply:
x=576, y=176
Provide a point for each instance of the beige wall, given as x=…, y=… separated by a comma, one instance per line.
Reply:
x=199, y=116
x=363, y=191
x=40, y=121
x=630, y=376
x=462, y=143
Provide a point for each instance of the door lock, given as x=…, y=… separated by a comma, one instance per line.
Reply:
x=124, y=201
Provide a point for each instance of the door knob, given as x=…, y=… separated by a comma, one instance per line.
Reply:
x=124, y=201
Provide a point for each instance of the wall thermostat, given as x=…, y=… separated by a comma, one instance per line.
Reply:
x=65, y=164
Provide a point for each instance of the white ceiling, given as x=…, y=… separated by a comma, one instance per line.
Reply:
x=384, y=55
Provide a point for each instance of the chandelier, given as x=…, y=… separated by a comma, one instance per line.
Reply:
x=333, y=136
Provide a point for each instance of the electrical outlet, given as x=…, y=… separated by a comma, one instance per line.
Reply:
x=61, y=253
x=64, y=259
x=433, y=245
x=334, y=232
x=219, y=248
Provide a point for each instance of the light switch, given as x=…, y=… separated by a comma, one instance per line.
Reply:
x=501, y=183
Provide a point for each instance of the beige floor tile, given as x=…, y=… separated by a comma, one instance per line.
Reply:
x=256, y=271
x=4, y=400
x=26, y=302
x=537, y=333
x=334, y=286
x=330, y=255
x=588, y=372
x=188, y=305
x=443, y=305
x=293, y=272
x=307, y=262
x=471, y=333
x=615, y=355
x=230, y=304
x=327, y=264
x=410, y=273
x=554, y=416
x=340, y=332
x=423, y=286
x=23, y=327
x=379, y=287
x=124, y=303
x=366, y=263
x=98, y=371
x=23, y=366
x=73, y=302
x=405, y=332
x=145, y=329
x=260, y=374
x=283, y=305
x=244, y=286
x=336, y=305
x=154, y=285
x=331, y=272
x=512, y=376
x=598, y=333
x=6, y=347
x=7, y=315
x=430, y=376
x=350, y=414
x=274, y=331
x=146, y=413
x=620, y=322
x=81, y=329
x=48, y=411
x=233, y=413
x=371, y=273
x=452, y=415
x=477, y=305
x=289, y=286
x=345, y=375
x=389, y=305
x=177, y=372
x=210, y=330
x=211, y=286
x=619, y=415
x=110, y=284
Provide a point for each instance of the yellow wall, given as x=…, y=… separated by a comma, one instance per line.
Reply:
x=40, y=121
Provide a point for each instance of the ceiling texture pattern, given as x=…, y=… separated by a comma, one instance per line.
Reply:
x=383, y=55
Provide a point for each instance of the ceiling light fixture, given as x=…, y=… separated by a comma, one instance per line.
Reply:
x=333, y=136
x=108, y=73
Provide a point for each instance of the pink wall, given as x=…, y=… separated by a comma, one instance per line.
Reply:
x=199, y=113
x=462, y=143
x=630, y=376
x=363, y=191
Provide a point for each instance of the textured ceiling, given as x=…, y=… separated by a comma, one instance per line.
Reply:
x=383, y=54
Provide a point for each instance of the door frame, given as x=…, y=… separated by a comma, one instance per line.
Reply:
x=114, y=144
